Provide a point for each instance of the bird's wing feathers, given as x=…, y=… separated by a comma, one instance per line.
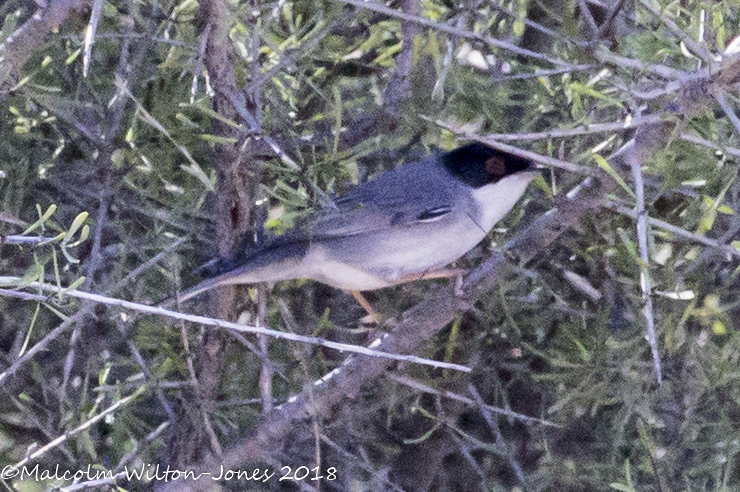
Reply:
x=366, y=218
x=410, y=194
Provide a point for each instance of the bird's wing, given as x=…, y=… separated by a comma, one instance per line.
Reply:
x=368, y=218
x=412, y=194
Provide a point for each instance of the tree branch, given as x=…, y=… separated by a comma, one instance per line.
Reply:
x=27, y=39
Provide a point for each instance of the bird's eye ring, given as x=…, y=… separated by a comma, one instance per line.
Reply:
x=496, y=166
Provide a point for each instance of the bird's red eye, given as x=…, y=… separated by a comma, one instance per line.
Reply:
x=496, y=166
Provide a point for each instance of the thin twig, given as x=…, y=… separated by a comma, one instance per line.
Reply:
x=147, y=36
x=25, y=239
x=25, y=41
x=202, y=320
x=466, y=449
x=378, y=475
x=202, y=403
x=719, y=95
x=613, y=11
x=697, y=48
x=255, y=127
x=542, y=73
x=586, y=14
x=500, y=441
x=627, y=124
x=92, y=28
x=159, y=390
x=606, y=56
x=536, y=26
x=131, y=276
x=133, y=454
x=86, y=425
x=59, y=330
x=266, y=371
x=377, y=7
x=412, y=383
x=689, y=137
x=644, y=264
x=691, y=236
x=194, y=168
x=199, y=63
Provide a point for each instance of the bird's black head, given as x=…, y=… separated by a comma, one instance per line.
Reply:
x=477, y=165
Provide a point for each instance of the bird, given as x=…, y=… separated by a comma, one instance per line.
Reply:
x=406, y=224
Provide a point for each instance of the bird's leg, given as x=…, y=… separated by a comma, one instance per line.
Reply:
x=456, y=273
x=371, y=314
x=429, y=274
x=444, y=273
x=458, y=286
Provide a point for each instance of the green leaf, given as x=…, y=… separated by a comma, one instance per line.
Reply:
x=603, y=164
x=719, y=328
x=30, y=330
x=423, y=437
x=76, y=224
x=83, y=236
x=69, y=257
x=622, y=487
x=194, y=169
x=218, y=139
x=628, y=243
x=707, y=221
x=42, y=219
x=209, y=112
x=71, y=58
x=75, y=284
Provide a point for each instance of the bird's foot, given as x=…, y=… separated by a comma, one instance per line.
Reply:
x=459, y=292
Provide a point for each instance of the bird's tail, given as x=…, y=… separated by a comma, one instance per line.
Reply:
x=204, y=286
x=279, y=262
